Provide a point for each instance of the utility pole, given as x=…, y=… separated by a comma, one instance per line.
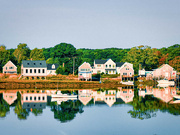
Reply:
x=73, y=64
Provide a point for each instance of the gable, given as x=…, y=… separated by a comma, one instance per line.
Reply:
x=9, y=63
x=128, y=65
x=85, y=65
x=109, y=61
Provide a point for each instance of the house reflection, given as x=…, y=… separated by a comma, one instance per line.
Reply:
x=85, y=96
x=33, y=100
x=108, y=97
x=126, y=94
x=10, y=96
x=165, y=94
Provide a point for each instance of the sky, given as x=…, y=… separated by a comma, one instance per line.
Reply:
x=90, y=23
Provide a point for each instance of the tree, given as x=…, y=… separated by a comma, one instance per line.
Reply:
x=175, y=63
x=63, y=50
x=4, y=56
x=37, y=54
x=22, y=52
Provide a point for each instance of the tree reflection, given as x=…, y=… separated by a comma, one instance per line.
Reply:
x=146, y=108
x=66, y=111
x=4, y=107
x=21, y=113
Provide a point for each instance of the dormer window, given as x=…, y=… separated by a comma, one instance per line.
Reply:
x=27, y=63
x=40, y=63
x=53, y=66
x=34, y=63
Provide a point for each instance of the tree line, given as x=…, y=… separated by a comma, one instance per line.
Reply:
x=140, y=56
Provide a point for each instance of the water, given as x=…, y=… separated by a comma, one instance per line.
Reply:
x=126, y=111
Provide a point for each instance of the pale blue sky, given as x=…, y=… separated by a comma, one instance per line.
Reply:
x=90, y=23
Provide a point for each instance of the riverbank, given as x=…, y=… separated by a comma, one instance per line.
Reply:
x=56, y=84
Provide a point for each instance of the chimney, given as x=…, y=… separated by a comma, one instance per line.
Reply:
x=63, y=64
x=31, y=59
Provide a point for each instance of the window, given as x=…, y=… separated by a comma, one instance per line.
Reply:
x=26, y=70
x=109, y=72
x=130, y=73
x=30, y=98
x=113, y=66
x=26, y=98
x=35, y=98
x=53, y=66
x=39, y=98
x=98, y=65
x=83, y=69
x=39, y=70
x=6, y=68
x=106, y=65
x=27, y=63
x=124, y=73
x=11, y=67
x=40, y=63
x=30, y=70
x=124, y=91
x=34, y=63
x=43, y=98
x=43, y=70
x=34, y=70
x=110, y=66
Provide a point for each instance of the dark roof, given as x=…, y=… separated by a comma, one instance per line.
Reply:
x=34, y=63
x=100, y=61
x=49, y=66
x=34, y=105
x=119, y=64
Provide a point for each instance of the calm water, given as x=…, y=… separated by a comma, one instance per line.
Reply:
x=126, y=111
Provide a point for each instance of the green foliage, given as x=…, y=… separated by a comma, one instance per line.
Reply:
x=62, y=70
x=4, y=107
x=4, y=56
x=145, y=56
x=22, y=52
x=67, y=110
x=37, y=54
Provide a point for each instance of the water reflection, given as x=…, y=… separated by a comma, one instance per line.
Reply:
x=145, y=101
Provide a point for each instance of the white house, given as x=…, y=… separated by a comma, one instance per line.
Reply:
x=110, y=67
x=51, y=69
x=34, y=68
x=104, y=66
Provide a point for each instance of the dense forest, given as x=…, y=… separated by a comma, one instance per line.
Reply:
x=140, y=56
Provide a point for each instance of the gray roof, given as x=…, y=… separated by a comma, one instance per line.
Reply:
x=34, y=63
x=119, y=64
x=34, y=105
x=49, y=66
x=100, y=61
